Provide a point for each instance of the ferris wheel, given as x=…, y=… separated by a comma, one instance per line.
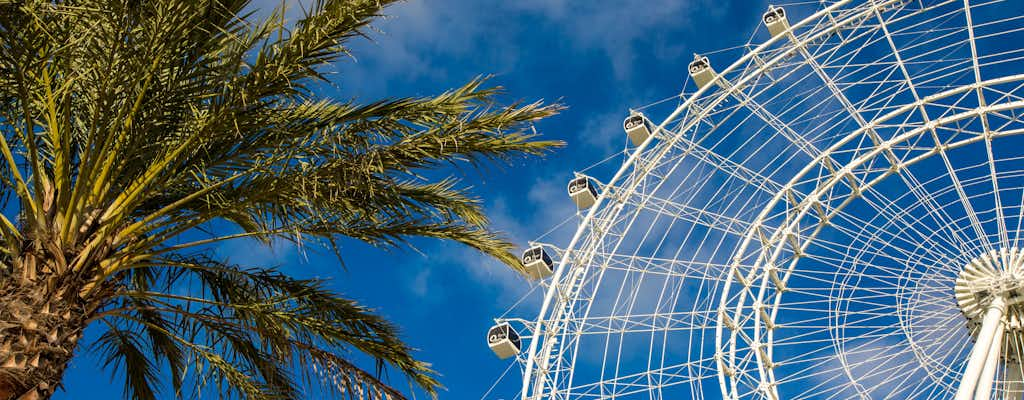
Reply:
x=835, y=211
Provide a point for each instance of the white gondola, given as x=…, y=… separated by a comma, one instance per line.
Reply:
x=583, y=192
x=775, y=20
x=637, y=127
x=537, y=263
x=503, y=340
x=701, y=71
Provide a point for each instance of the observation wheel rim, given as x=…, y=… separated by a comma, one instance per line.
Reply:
x=539, y=333
x=778, y=240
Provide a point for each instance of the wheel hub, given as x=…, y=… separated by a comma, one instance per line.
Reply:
x=995, y=273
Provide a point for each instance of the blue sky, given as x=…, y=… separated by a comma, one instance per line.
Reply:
x=597, y=57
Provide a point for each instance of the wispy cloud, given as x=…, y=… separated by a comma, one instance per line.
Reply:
x=603, y=132
x=419, y=38
x=253, y=253
x=616, y=28
x=549, y=206
x=294, y=9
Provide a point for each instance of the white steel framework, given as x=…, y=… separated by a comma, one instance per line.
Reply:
x=839, y=215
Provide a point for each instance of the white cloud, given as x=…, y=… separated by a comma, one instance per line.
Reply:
x=603, y=132
x=419, y=33
x=420, y=283
x=615, y=27
x=253, y=253
x=294, y=9
x=549, y=206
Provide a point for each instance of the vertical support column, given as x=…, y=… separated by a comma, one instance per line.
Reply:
x=1014, y=386
x=979, y=355
x=988, y=374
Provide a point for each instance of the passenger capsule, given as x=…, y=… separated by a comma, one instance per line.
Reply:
x=583, y=192
x=537, y=263
x=775, y=20
x=637, y=127
x=701, y=71
x=503, y=340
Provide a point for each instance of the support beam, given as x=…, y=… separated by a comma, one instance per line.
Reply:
x=1014, y=387
x=988, y=374
x=979, y=355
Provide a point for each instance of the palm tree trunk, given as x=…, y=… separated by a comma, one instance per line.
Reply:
x=41, y=319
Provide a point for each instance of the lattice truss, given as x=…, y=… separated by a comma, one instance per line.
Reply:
x=795, y=229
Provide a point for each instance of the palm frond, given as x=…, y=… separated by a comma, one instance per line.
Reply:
x=257, y=321
x=129, y=127
x=125, y=352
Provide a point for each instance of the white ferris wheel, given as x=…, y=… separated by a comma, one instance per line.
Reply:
x=833, y=210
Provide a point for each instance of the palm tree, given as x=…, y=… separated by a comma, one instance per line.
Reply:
x=138, y=135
